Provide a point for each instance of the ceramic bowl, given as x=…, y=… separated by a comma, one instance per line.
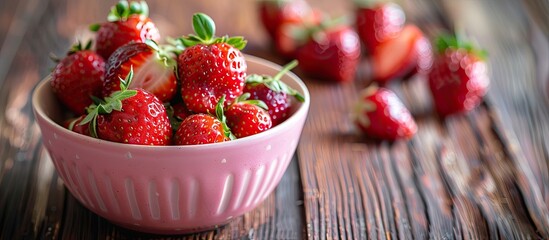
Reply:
x=171, y=189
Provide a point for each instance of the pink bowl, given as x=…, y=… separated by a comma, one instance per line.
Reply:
x=171, y=189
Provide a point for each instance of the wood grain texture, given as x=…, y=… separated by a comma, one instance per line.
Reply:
x=483, y=175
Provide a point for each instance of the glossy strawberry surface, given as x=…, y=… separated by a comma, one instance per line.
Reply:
x=200, y=129
x=76, y=78
x=208, y=72
x=246, y=119
x=458, y=82
x=142, y=120
x=378, y=22
x=153, y=70
x=333, y=55
x=380, y=114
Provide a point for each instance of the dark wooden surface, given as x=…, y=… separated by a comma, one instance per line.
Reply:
x=484, y=175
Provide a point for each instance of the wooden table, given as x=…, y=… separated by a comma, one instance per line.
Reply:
x=484, y=175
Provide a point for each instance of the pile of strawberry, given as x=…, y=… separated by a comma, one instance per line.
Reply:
x=129, y=89
x=330, y=49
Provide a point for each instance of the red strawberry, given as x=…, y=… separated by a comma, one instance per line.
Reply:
x=331, y=53
x=203, y=128
x=274, y=13
x=286, y=22
x=380, y=114
x=247, y=117
x=180, y=111
x=210, y=67
x=130, y=116
x=459, y=78
x=273, y=92
x=75, y=126
x=403, y=55
x=376, y=23
x=177, y=112
x=127, y=22
x=77, y=77
x=154, y=70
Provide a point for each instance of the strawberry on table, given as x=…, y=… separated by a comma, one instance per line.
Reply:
x=380, y=114
x=408, y=53
x=377, y=21
x=273, y=92
x=247, y=117
x=459, y=78
x=78, y=77
x=129, y=116
x=204, y=128
x=154, y=69
x=285, y=21
x=273, y=13
x=127, y=22
x=210, y=67
x=332, y=52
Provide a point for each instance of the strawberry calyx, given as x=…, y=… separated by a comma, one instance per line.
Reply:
x=220, y=114
x=122, y=10
x=369, y=3
x=204, y=27
x=244, y=98
x=448, y=41
x=109, y=104
x=77, y=47
x=274, y=83
x=163, y=53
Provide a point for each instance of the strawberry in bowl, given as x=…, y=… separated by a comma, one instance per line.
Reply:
x=123, y=162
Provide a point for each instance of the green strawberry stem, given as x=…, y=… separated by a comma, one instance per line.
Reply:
x=163, y=53
x=220, y=114
x=456, y=41
x=204, y=27
x=74, y=49
x=244, y=98
x=274, y=83
x=122, y=10
x=109, y=104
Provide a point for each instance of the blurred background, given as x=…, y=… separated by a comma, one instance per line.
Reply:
x=515, y=34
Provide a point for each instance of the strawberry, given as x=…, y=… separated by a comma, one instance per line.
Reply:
x=77, y=77
x=130, y=116
x=273, y=92
x=127, y=22
x=408, y=53
x=459, y=79
x=380, y=114
x=210, y=67
x=75, y=126
x=204, y=128
x=332, y=52
x=377, y=22
x=154, y=69
x=274, y=13
x=177, y=112
x=285, y=21
x=247, y=117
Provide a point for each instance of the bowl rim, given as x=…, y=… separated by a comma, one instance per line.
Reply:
x=283, y=126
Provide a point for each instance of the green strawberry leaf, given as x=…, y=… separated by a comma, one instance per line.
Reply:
x=456, y=41
x=203, y=26
x=109, y=104
x=220, y=114
x=95, y=27
x=123, y=9
x=274, y=83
